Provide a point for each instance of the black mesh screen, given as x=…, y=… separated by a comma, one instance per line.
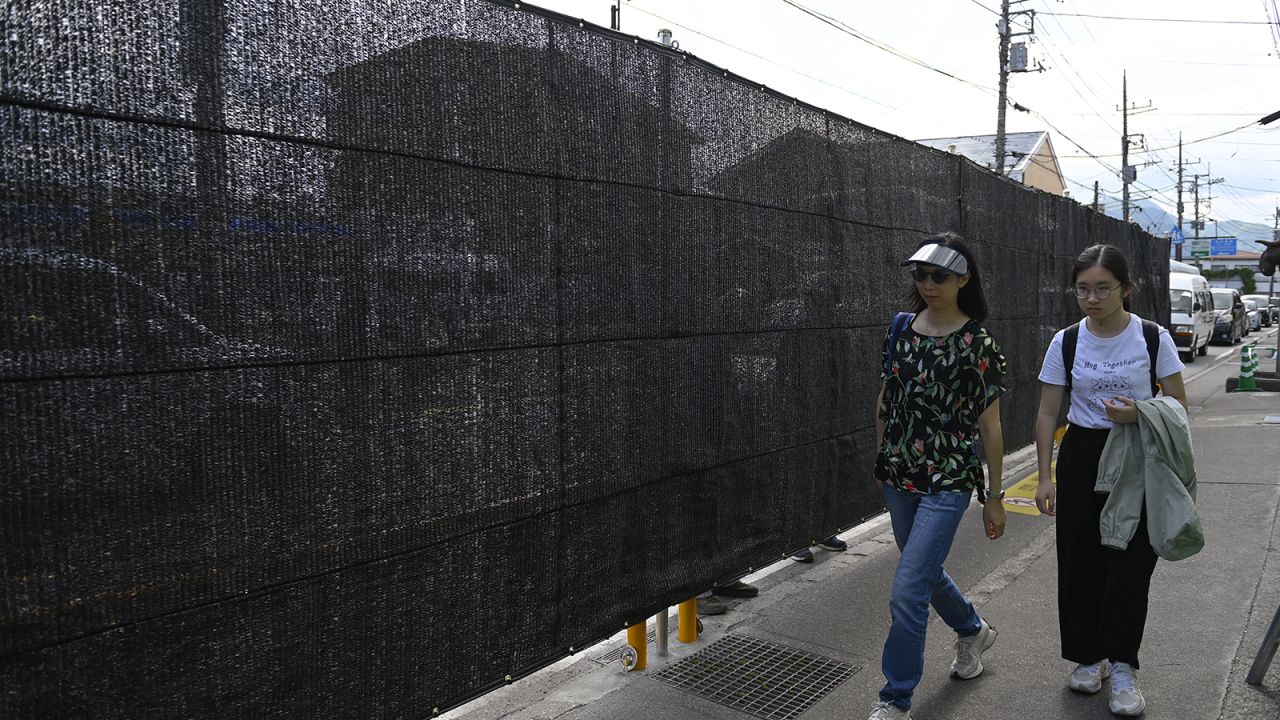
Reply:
x=355, y=356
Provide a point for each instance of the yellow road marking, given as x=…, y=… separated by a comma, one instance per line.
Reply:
x=1021, y=496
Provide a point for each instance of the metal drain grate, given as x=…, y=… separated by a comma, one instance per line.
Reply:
x=762, y=678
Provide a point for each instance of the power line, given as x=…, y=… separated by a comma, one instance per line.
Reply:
x=1023, y=108
x=1050, y=43
x=1273, y=19
x=1141, y=19
x=984, y=7
x=1153, y=152
x=846, y=29
x=1177, y=114
x=775, y=63
x=1193, y=142
x=1259, y=144
x=893, y=51
x=1164, y=61
x=1249, y=189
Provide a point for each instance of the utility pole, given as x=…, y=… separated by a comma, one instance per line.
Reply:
x=1128, y=173
x=1178, y=247
x=1124, y=144
x=1275, y=237
x=1003, y=27
x=1020, y=66
x=1198, y=224
x=1095, y=196
x=615, y=15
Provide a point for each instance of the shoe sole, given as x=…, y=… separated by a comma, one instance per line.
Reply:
x=986, y=645
x=1128, y=713
x=1073, y=686
x=1083, y=689
x=833, y=549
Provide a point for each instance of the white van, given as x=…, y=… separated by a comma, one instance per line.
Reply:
x=1190, y=314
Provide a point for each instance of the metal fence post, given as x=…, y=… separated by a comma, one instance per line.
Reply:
x=1266, y=652
x=661, y=631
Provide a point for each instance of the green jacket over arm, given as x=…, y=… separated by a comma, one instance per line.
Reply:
x=1150, y=463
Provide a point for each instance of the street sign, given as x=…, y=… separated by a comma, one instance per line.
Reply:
x=1200, y=248
x=1222, y=246
x=1175, y=235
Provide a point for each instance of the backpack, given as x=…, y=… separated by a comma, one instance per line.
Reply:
x=1150, y=333
x=900, y=323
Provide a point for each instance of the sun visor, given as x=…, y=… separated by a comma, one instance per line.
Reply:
x=942, y=256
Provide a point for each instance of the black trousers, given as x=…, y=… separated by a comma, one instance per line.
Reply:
x=1102, y=592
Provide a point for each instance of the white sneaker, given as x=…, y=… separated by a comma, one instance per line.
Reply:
x=888, y=711
x=968, y=662
x=1126, y=698
x=1088, y=678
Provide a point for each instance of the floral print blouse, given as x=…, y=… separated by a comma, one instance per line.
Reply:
x=933, y=395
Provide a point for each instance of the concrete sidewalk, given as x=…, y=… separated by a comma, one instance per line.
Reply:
x=1206, y=621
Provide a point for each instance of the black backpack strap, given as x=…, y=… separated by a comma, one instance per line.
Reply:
x=1070, y=337
x=1151, y=333
x=900, y=323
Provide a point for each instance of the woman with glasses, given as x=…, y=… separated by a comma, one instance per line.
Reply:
x=1102, y=592
x=942, y=379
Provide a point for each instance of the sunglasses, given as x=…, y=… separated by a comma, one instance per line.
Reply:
x=939, y=276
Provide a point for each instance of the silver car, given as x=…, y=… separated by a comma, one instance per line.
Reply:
x=1252, y=315
x=1268, y=310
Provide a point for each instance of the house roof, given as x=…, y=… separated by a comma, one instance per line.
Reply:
x=1019, y=148
x=1238, y=256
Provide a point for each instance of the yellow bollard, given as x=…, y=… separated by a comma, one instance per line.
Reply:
x=637, y=639
x=1058, y=435
x=687, y=619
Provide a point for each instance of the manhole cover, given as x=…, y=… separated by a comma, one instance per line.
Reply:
x=762, y=678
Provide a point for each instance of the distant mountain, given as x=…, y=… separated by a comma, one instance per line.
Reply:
x=1249, y=234
x=1155, y=220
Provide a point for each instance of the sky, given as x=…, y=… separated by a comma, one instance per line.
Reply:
x=929, y=68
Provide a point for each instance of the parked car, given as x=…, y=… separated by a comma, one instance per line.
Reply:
x=1252, y=315
x=1266, y=313
x=1228, y=315
x=1191, y=314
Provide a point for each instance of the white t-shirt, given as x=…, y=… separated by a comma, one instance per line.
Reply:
x=1107, y=367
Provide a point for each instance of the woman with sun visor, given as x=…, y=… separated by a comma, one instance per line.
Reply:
x=942, y=377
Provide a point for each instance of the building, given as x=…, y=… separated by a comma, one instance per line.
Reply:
x=1029, y=157
x=1233, y=262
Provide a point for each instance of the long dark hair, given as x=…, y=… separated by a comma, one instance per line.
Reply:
x=971, y=300
x=1110, y=258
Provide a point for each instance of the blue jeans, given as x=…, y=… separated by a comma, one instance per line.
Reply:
x=924, y=527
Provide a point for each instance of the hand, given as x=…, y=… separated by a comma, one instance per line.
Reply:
x=1121, y=410
x=1047, y=497
x=993, y=518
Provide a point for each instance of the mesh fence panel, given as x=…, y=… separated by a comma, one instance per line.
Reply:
x=357, y=356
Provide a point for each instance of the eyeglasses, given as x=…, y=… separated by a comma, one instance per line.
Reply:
x=1102, y=292
x=939, y=276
